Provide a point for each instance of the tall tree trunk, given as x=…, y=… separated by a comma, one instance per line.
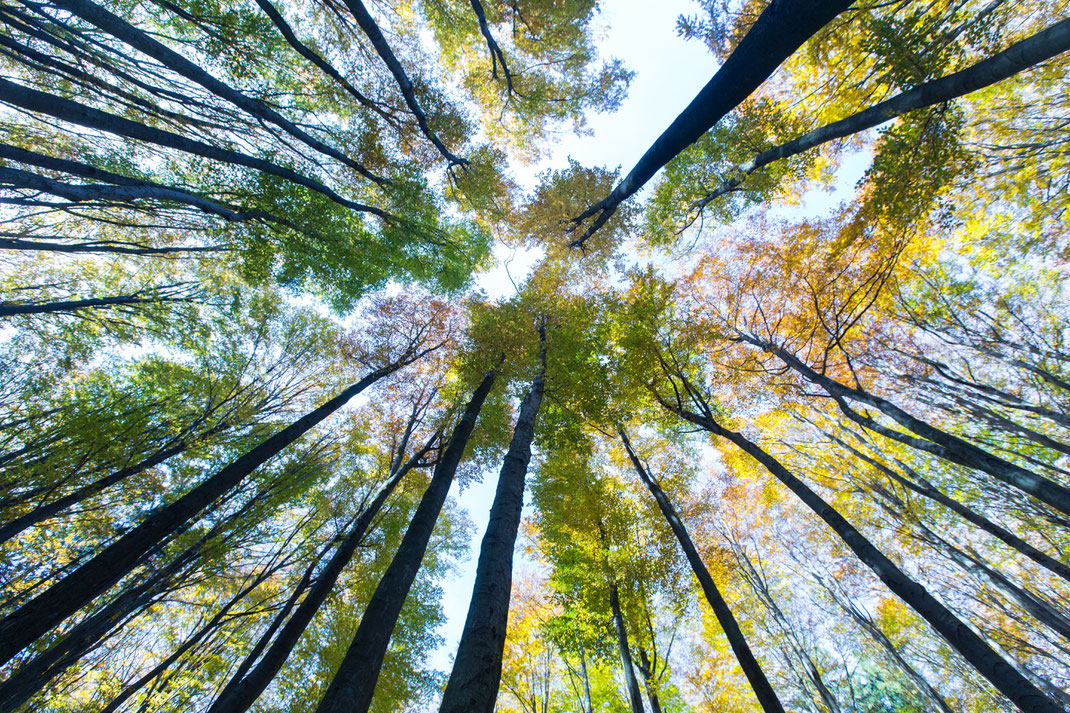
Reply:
x=477, y=669
x=353, y=684
x=241, y=692
x=11, y=309
x=936, y=441
x=1017, y=58
x=763, y=690
x=646, y=668
x=1005, y=678
x=382, y=48
x=923, y=487
x=50, y=509
x=781, y=29
x=305, y=51
x=635, y=697
x=45, y=611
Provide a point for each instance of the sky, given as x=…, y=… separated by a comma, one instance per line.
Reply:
x=668, y=74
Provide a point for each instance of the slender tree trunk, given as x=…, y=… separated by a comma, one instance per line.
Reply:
x=763, y=690
x=11, y=309
x=45, y=611
x=937, y=441
x=781, y=29
x=382, y=48
x=67, y=110
x=588, y=705
x=302, y=49
x=635, y=697
x=1005, y=678
x=353, y=684
x=119, y=28
x=477, y=669
x=105, y=247
x=866, y=623
x=240, y=693
x=1017, y=58
x=645, y=668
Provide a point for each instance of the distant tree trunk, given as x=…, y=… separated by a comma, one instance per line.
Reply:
x=241, y=692
x=1005, y=678
x=781, y=29
x=40, y=614
x=353, y=684
x=635, y=697
x=933, y=440
x=649, y=681
x=11, y=309
x=1017, y=58
x=477, y=669
x=763, y=690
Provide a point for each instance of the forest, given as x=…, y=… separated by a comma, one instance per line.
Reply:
x=747, y=455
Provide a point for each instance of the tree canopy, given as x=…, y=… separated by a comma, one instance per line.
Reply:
x=750, y=448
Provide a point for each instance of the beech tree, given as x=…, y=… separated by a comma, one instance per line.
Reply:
x=262, y=305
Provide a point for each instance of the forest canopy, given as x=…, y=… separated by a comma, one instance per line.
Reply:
x=751, y=448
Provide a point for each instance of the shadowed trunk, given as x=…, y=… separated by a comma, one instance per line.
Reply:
x=781, y=29
x=933, y=440
x=1017, y=58
x=635, y=696
x=119, y=28
x=767, y=697
x=67, y=110
x=477, y=669
x=353, y=684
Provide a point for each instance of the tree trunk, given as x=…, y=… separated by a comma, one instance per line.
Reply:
x=353, y=684
x=635, y=697
x=382, y=48
x=50, y=509
x=240, y=693
x=645, y=668
x=926, y=489
x=1017, y=58
x=763, y=690
x=477, y=669
x=1003, y=677
x=781, y=29
x=45, y=611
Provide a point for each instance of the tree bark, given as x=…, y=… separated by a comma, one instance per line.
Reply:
x=1002, y=676
x=240, y=693
x=45, y=611
x=926, y=489
x=763, y=690
x=781, y=29
x=477, y=669
x=1017, y=58
x=382, y=48
x=635, y=697
x=353, y=684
